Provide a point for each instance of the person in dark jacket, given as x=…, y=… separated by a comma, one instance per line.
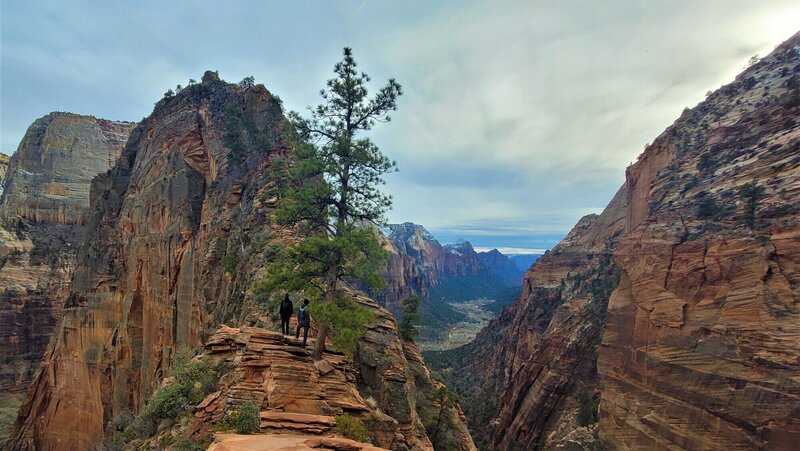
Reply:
x=303, y=320
x=286, y=314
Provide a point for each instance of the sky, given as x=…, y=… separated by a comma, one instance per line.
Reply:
x=518, y=117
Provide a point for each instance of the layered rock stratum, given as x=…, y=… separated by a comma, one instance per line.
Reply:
x=42, y=210
x=174, y=241
x=695, y=264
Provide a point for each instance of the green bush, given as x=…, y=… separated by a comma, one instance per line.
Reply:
x=229, y=262
x=587, y=409
x=350, y=427
x=347, y=320
x=193, y=381
x=246, y=420
x=707, y=206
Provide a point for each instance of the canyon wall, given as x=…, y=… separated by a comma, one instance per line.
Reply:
x=176, y=238
x=42, y=210
x=149, y=274
x=418, y=264
x=702, y=344
x=695, y=264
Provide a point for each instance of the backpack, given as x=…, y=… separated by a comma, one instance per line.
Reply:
x=302, y=316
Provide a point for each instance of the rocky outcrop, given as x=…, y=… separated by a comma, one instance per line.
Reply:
x=502, y=266
x=41, y=213
x=701, y=345
x=49, y=174
x=149, y=274
x=386, y=389
x=3, y=170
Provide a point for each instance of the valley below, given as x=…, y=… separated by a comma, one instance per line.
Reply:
x=460, y=333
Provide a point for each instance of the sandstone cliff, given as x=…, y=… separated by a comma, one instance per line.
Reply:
x=418, y=264
x=41, y=214
x=174, y=242
x=150, y=271
x=700, y=349
x=3, y=170
x=49, y=174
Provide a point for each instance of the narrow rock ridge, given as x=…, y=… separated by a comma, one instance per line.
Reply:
x=174, y=243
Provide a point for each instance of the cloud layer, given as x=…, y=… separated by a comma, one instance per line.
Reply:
x=518, y=116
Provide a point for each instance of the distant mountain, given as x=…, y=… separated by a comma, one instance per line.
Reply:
x=418, y=264
x=502, y=266
x=524, y=261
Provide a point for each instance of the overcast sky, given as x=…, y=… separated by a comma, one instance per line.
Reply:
x=518, y=117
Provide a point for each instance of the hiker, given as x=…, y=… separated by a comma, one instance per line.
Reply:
x=286, y=314
x=303, y=320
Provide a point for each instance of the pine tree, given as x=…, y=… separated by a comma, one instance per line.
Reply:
x=407, y=327
x=331, y=194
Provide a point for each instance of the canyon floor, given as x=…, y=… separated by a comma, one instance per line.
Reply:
x=462, y=332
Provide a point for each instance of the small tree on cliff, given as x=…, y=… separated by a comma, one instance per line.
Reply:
x=330, y=193
x=408, y=323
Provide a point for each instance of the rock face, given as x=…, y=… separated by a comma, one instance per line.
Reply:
x=297, y=395
x=702, y=344
x=60, y=154
x=3, y=170
x=418, y=264
x=502, y=266
x=41, y=215
x=529, y=366
x=149, y=274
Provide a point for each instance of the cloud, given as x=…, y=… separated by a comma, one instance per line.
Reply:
x=518, y=117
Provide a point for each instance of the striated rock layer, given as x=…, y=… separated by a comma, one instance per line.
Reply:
x=702, y=344
x=172, y=246
x=297, y=395
x=41, y=215
x=149, y=273
x=49, y=174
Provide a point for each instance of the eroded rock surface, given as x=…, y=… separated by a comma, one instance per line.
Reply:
x=41, y=215
x=49, y=174
x=149, y=274
x=702, y=344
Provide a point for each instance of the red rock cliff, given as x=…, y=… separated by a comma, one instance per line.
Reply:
x=701, y=346
x=149, y=274
x=41, y=214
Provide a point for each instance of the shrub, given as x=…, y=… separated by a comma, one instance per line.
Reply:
x=407, y=326
x=706, y=162
x=350, y=427
x=587, y=409
x=707, y=207
x=193, y=381
x=347, y=320
x=751, y=193
x=188, y=444
x=229, y=262
x=246, y=420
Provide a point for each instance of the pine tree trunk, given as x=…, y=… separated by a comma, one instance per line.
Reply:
x=322, y=334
